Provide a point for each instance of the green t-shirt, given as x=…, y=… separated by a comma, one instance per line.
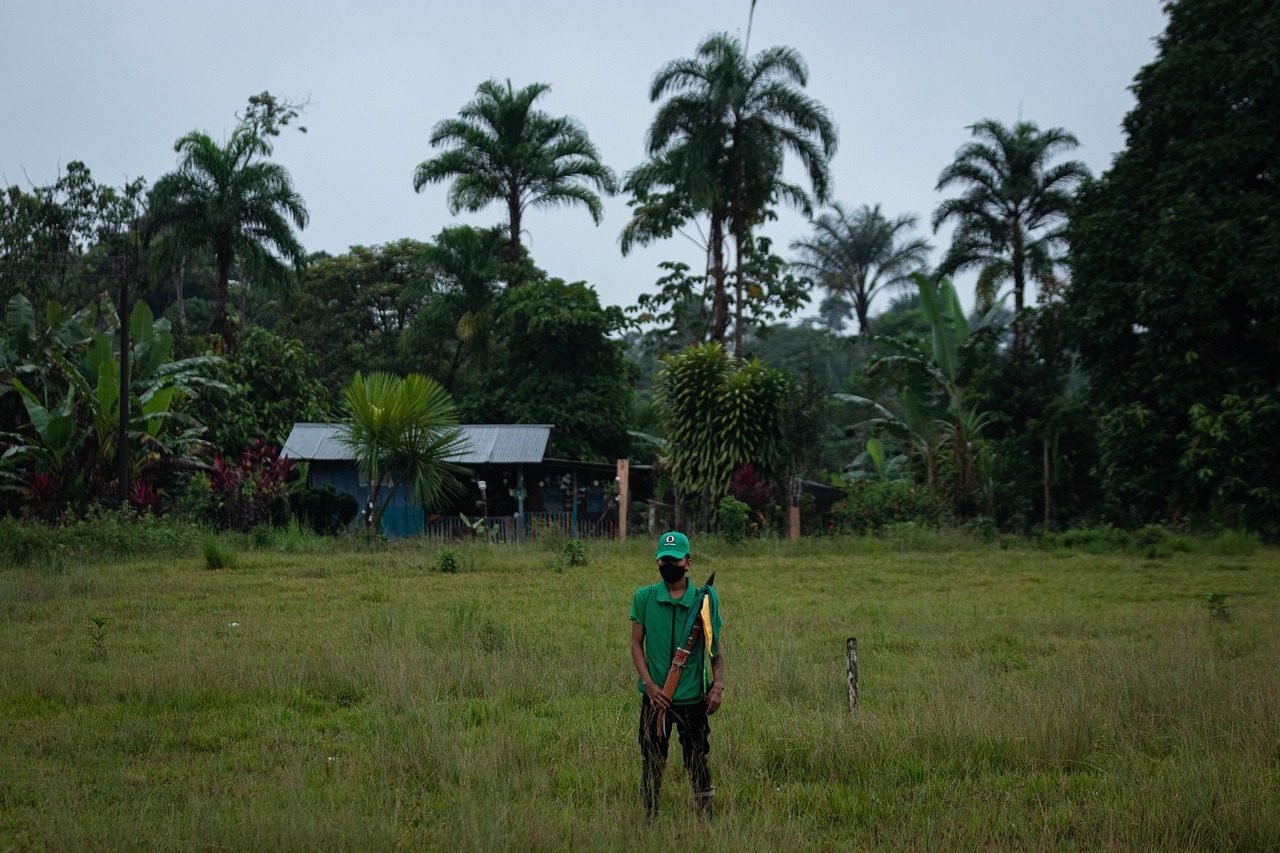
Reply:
x=663, y=620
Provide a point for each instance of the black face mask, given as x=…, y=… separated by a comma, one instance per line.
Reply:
x=671, y=572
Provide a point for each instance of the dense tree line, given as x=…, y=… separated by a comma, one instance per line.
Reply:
x=1133, y=378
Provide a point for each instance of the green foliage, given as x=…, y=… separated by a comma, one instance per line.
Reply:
x=217, y=554
x=860, y=254
x=981, y=527
x=227, y=200
x=448, y=561
x=402, y=431
x=716, y=419
x=97, y=638
x=66, y=372
x=269, y=387
x=731, y=520
x=64, y=241
x=353, y=311
x=101, y=535
x=716, y=148
x=872, y=507
x=324, y=510
x=1034, y=415
x=502, y=149
x=559, y=366
x=929, y=408
x=1011, y=221
x=575, y=552
x=453, y=330
x=252, y=491
x=1175, y=250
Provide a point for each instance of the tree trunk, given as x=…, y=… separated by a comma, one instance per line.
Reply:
x=719, y=320
x=513, y=254
x=1048, y=480
x=179, y=286
x=739, y=289
x=1019, y=282
x=218, y=324
x=122, y=437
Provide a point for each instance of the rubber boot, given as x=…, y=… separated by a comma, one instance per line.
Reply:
x=702, y=799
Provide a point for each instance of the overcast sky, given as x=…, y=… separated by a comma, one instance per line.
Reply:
x=114, y=84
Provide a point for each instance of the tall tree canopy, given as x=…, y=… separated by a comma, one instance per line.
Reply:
x=861, y=253
x=717, y=147
x=1175, y=298
x=502, y=149
x=1011, y=220
x=559, y=365
x=227, y=199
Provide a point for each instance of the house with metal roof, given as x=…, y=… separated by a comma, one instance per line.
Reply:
x=512, y=485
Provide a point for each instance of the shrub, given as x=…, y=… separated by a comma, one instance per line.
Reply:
x=732, y=519
x=870, y=507
x=1234, y=543
x=324, y=510
x=216, y=554
x=981, y=527
x=101, y=534
x=252, y=491
x=575, y=552
x=448, y=561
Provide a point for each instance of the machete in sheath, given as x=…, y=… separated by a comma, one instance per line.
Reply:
x=692, y=632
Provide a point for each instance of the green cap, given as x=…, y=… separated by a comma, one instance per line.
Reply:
x=673, y=544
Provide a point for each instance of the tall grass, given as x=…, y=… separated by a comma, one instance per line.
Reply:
x=359, y=698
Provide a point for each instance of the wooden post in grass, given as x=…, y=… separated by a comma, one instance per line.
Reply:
x=624, y=492
x=851, y=652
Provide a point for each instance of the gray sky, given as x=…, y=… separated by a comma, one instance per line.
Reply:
x=114, y=84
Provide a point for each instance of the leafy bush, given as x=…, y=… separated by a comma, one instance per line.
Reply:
x=732, y=516
x=575, y=552
x=448, y=561
x=1234, y=543
x=216, y=554
x=101, y=534
x=252, y=491
x=982, y=527
x=1099, y=539
x=324, y=510
x=871, y=507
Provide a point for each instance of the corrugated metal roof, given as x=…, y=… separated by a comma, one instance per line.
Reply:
x=486, y=444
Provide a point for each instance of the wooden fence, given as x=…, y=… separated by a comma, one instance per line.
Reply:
x=529, y=526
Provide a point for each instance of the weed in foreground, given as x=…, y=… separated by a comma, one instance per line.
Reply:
x=217, y=555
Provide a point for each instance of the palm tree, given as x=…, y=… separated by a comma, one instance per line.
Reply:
x=403, y=431
x=224, y=199
x=719, y=143
x=860, y=254
x=456, y=324
x=504, y=150
x=1011, y=222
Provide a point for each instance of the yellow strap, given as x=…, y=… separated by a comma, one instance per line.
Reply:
x=707, y=637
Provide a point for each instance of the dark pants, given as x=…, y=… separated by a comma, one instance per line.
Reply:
x=695, y=735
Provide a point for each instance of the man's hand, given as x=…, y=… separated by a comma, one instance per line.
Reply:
x=656, y=697
x=714, y=698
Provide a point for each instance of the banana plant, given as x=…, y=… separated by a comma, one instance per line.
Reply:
x=68, y=378
x=930, y=411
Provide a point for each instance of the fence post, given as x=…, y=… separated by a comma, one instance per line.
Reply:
x=851, y=653
x=623, y=479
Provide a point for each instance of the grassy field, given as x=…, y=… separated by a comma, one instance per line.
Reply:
x=1010, y=699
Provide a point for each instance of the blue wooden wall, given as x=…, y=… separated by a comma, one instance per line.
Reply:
x=403, y=516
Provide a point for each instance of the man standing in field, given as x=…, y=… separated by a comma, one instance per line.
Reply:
x=659, y=616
